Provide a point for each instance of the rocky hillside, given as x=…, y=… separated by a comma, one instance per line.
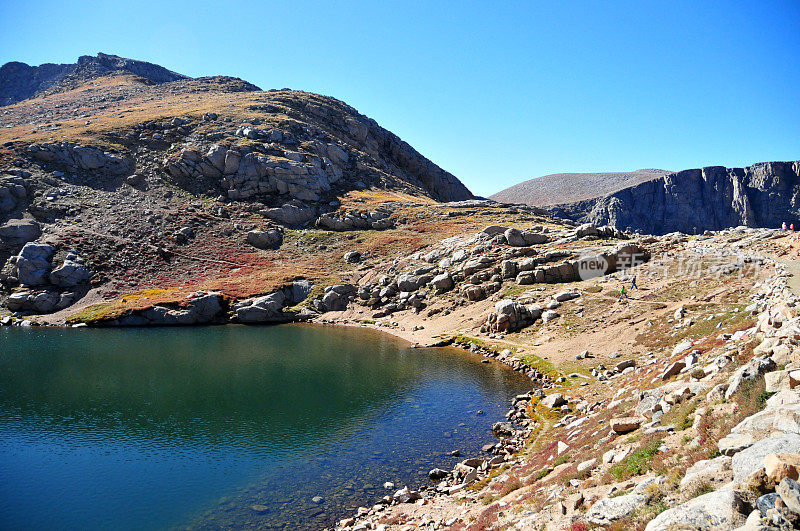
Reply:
x=131, y=183
x=570, y=187
x=692, y=201
x=19, y=81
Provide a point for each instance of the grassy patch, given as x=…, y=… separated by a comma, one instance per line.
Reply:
x=638, y=462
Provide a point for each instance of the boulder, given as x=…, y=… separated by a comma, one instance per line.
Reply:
x=751, y=459
x=37, y=302
x=673, y=369
x=514, y=238
x=503, y=429
x=780, y=466
x=71, y=273
x=407, y=282
x=748, y=372
x=554, y=400
x=607, y=510
x=626, y=424
x=352, y=257
x=734, y=443
x=265, y=239
x=789, y=491
x=32, y=264
x=586, y=465
x=16, y=231
x=776, y=381
x=290, y=214
x=549, y=315
x=405, y=495
x=442, y=283
x=337, y=297
x=565, y=296
x=712, y=511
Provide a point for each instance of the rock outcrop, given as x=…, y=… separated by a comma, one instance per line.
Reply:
x=77, y=157
x=692, y=201
x=328, y=146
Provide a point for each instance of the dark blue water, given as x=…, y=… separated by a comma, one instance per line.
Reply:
x=228, y=426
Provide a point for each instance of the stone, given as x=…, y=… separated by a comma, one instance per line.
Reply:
x=776, y=381
x=405, y=495
x=607, y=510
x=748, y=372
x=265, y=239
x=16, y=231
x=673, y=369
x=514, y=238
x=438, y=474
x=712, y=511
x=766, y=502
x=735, y=442
x=780, y=466
x=707, y=471
x=32, y=264
x=503, y=429
x=751, y=459
x=783, y=398
x=554, y=400
x=407, y=282
x=549, y=315
x=442, y=283
x=626, y=424
x=586, y=465
x=561, y=447
x=70, y=274
x=352, y=257
x=789, y=491
x=565, y=296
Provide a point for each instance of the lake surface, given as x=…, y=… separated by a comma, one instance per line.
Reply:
x=228, y=426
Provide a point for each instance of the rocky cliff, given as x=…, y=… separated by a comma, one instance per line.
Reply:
x=691, y=201
x=19, y=81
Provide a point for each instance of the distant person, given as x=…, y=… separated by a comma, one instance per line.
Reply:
x=791, y=227
x=622, y=294
x=783, y=226
x=633, y=283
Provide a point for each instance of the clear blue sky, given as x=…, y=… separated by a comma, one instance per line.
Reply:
x=495, y=92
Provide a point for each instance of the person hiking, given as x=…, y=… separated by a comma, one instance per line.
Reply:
x=633, y=283
x=622, y=294
x=783, y=226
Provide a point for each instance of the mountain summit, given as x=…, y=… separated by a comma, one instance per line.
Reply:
x=20, y=81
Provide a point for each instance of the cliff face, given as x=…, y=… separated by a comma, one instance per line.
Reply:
x=713, y=198
x=19, y=81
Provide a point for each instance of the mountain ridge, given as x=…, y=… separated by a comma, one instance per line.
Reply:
x=557, y=188
x=20, y=81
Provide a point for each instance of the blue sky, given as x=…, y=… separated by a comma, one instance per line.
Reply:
x=494, y=92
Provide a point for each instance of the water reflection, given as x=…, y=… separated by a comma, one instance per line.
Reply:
x=154, y=428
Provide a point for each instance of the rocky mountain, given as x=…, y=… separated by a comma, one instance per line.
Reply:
x=560, y=188
x=692, y=201
x=19, y=81
x=122, y=170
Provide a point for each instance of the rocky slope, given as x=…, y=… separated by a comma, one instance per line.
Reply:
x=561, y=188
x=692, y=201
x=134, y=183
x=19, y=81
